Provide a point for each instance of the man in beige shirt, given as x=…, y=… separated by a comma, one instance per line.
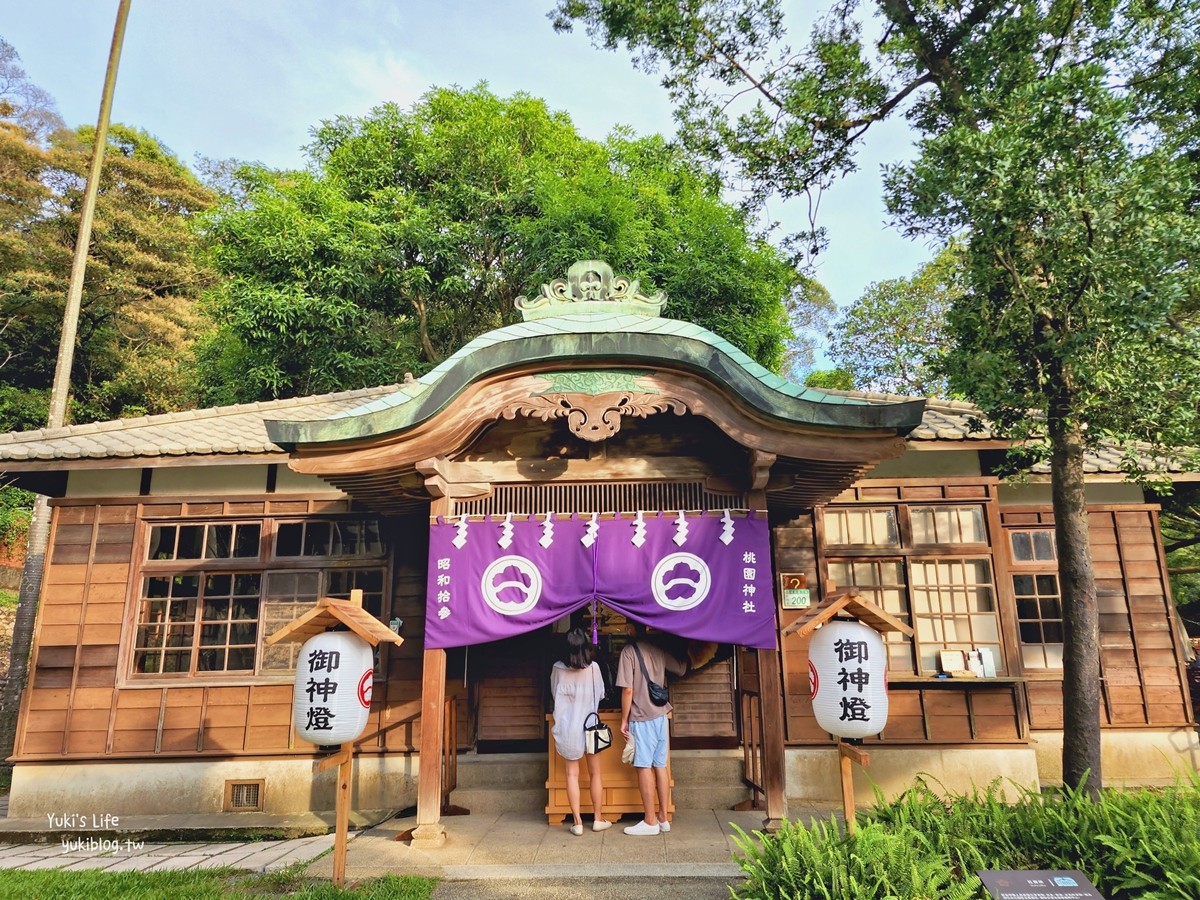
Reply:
x=647, y=724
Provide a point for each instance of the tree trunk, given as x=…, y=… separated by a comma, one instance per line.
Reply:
x=1081, y=619
x=27, y=605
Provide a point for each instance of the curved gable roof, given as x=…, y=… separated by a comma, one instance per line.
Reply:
x=592, y=339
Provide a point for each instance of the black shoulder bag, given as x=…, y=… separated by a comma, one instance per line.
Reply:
x=658, y=692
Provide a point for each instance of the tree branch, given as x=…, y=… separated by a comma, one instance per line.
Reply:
x=742, y=70
x=888, y=105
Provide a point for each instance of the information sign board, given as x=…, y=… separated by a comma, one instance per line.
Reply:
x=794, y=591
x=1039, y=885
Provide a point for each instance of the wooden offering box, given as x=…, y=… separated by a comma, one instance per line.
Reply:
x=620, y=780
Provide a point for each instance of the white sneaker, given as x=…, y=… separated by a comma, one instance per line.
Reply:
x=601, y=825
x=641, y=828
x=664, y=827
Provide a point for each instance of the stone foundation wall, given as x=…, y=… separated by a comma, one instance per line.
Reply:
x=183, y=787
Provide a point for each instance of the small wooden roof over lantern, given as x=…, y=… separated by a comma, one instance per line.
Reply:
x=846, y=602
x=330, y=612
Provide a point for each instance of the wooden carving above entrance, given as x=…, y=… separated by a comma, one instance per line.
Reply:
x=593, y=402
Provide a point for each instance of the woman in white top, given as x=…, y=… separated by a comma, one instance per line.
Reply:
x=578, y=687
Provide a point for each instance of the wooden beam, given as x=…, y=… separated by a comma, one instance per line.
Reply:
x=506, y=471
x=856, y=754
x=325, y=763
x=774, y=758
x=430, y=833
x=760, y=469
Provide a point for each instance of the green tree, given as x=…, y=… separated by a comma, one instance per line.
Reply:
x=889, y=339
x=416, y=229
x=830, y=380
x=138, y=312
x=27, y=118
x=1058, y=141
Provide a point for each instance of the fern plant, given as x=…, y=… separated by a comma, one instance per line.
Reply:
x=823, y=863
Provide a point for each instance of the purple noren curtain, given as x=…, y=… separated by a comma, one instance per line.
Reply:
x=705, y=577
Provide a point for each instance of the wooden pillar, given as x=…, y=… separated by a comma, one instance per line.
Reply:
x=770, y=682
x=774, y=777
x=430, y=832
x=847, y=754
x=847, y=774
x=341, y=833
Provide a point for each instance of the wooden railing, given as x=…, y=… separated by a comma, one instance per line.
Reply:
x=752, y=750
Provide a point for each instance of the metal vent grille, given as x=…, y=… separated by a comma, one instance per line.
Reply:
x=599, y=497
x=243, y=796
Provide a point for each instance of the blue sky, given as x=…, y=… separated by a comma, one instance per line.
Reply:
x=247, y=79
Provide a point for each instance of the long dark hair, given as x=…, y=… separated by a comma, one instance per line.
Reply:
x=579, y=651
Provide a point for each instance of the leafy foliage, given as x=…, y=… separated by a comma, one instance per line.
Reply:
x=797, y=863
x=830, y=379
x=137, y=315
x=16, y=506
x=416, y=229
x=890, y=338
x=923, y=846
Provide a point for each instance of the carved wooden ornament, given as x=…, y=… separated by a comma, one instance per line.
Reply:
x=594, y=417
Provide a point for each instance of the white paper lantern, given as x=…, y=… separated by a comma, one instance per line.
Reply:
x=847, y=673
x=332, y=697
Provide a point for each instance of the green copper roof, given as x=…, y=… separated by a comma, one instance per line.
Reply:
x=589, y=338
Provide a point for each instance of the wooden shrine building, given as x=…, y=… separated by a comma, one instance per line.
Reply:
x=180, y=543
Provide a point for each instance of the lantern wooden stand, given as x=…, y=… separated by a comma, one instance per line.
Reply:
x=847, y=604
x=329, y=613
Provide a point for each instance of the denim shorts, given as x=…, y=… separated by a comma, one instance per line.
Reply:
x=649, y=743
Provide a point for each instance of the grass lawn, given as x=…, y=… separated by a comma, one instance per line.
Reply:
x=206, y=885
x=8, y=599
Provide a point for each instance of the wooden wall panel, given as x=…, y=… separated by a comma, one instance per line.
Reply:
x=906, y=718
x=1141, y=662
x=74, y=699
x=703, y=703
x=1045, y=705
x=511, y=708
x=182, y=717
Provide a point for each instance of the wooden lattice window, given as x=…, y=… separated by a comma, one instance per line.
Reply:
x=882, y=582
x=953, y=608
x=207, y=540
x=244, y=796
x=852, y=526
x=1038, y=597
x=947, y=525
x=202, y=611
x=198, y=622
x=339, y=537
